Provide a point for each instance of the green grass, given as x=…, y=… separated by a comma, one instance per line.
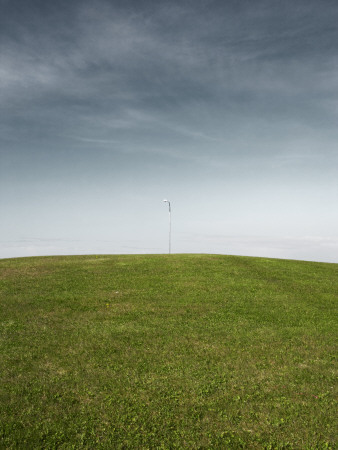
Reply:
x=167, y=351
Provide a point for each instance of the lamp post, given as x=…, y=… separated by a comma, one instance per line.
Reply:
x=167, y=201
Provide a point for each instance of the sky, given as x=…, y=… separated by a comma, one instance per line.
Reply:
x=229, y=109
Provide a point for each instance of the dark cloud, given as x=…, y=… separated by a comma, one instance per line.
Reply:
x=207, y=90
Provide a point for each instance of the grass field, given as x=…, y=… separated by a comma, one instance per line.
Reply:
x=167, y=351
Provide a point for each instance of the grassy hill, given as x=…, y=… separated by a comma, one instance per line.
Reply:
x=186, y=351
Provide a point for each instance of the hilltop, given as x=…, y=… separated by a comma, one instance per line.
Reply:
x=186, y=351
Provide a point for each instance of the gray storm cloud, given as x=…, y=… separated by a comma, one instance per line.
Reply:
x=124, y=100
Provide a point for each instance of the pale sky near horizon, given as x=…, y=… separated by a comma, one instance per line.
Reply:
x=227, y=108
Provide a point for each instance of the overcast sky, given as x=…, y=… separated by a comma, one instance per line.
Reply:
x=227, y=108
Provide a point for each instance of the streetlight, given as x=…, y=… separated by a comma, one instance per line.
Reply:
x=167, y=201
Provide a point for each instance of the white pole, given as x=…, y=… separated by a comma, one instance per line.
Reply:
x=169, y=228
x=167, y=201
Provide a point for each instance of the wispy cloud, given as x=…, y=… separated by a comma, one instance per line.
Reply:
x=205, y=97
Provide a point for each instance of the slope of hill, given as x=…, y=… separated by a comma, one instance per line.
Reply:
x=186, y=351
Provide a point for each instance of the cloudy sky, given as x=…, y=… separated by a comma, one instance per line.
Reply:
x=227, y=108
